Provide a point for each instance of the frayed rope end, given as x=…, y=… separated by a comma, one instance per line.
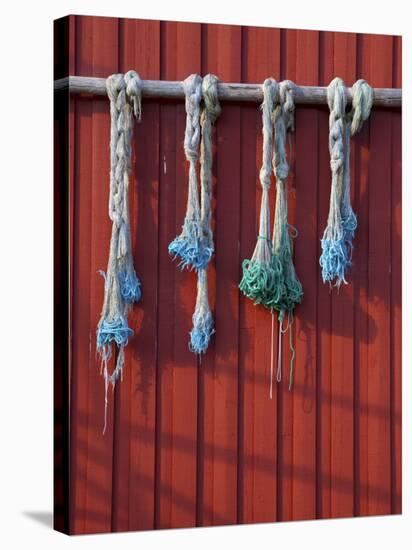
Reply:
x=189, y=246
x=334, y=261
x=201, y=333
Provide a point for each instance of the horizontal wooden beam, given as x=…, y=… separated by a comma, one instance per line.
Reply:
x=309, y=95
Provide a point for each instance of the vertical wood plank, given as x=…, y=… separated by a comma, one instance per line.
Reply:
x=104, y=60
x=284, y=396
x=167, y=272
x=248, y=221
x=396, y=292
x=341, y=449
x=375, y=391
x=72, y=251
x=223, y=58
x=306, y=261
x=81, y=317
x=96, y=55
x=182, y=56
x=324, y=332
x=360, y=282
x=263, y=44
x=134, y=465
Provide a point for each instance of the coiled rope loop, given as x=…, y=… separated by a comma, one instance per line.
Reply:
x=122, y=286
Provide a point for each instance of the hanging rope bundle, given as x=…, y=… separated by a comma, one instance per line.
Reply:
x=269, y=278
x=262, y=274
x=334, y=259
x=190, y=245
x=337, y=241
x=202, y=318
x=122, y=286
x=290, y=290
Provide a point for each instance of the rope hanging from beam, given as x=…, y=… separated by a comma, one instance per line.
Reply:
x=121, y=284
x=203, y=326
x=269, y=277
x=337, y=241
x=194, y=246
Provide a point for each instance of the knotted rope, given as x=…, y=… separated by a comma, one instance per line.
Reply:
x=122, y=286
x=261, y=278
x=289, y=291
x=362, y=101
x=202, y=318
x=188, y=246
x=337, y=241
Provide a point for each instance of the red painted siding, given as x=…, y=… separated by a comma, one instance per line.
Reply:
x=201, y=444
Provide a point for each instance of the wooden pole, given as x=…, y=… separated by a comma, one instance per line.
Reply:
x=309, y=95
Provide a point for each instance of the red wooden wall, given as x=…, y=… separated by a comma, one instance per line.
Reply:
x=192, y=444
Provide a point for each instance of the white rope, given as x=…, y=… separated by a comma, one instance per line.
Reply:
x=193, y=95
x=188, y=246
x=210, y=112
x=279, y=371
x=122, y=286
x=263, y=252
x=259, y=274
x=271, y=354
x=289, y=290
x=203, y=326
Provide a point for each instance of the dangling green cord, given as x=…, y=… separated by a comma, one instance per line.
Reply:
x=292, y=358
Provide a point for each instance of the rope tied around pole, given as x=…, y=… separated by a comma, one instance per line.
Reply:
x=337, y=241
x=121, y=284
x=362, y=101
x=203, y=326
x=189, y=245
